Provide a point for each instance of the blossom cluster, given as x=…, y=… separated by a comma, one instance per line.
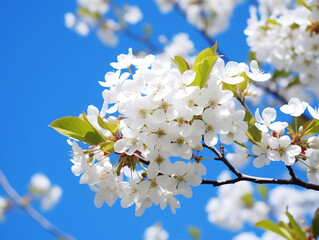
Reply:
x=41, y=188
x=161, y=116
x=155, y=232
x=158, y=116
x=275, y=145
x=237, y=204
x=210, y=16
x=97, y=14
x=286, y=36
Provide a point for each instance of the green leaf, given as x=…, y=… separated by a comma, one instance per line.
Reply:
x=273, y=21
x=280, y=74
x=106, y=146
x=203, y=66
x=181, y=64
x=263, y=191
x=147, y=30
x=265, y=28
x=311, y=127
x=112, y=127
x=248, y=200
x=295, y=82
x=298, y=121
x=288, y=231
x=214, y=48
x=270, y=226
x=95, y=130
x=77, y=128
x=194, y=232
x=242, y=145
x=303, y=3
x=315, y=225
x=231, y=87
x=253, y=133
x=243, y=85
x=295, y=227
x=252, y=56
x=294, y=26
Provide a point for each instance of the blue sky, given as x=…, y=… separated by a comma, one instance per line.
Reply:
x=47, y=72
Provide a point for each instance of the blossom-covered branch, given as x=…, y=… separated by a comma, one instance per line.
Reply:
x=243, y=177
x=173, y=108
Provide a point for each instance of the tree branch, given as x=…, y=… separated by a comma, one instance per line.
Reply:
x=224, y=160
x=37, y=217
x=274, y=93
x=243, y=177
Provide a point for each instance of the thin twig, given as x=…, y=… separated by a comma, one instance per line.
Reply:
x=243, y=103
x=146, y=41
x=37, y=217
x=211, y=42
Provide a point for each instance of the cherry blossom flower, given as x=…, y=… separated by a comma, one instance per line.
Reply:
x=264, y=123
x=294, y=107
x=256, y=74
x=123, y=60
x=282, y=149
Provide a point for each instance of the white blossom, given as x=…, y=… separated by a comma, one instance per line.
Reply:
x=264, y=123
x=294, y=107
x=155, y=232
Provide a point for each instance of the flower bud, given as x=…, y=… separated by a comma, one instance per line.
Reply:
x=301, y=129
x=199, y=148
x=313, y=142
x=281, y=131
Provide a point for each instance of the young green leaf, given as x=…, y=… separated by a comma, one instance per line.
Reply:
x=271, y=226
x=194, y=232
x=295, y=227
x=315, y=225
x=253, y=132
x=263, y=191
x=303, y=3
x=94, y=129
x=214, y=48
x=181, y=64
x=106, y=146
x=311, y=127
x=112, y=127
x=273, y=21
x=248, y=200
x=203, y=66
x=77, y=128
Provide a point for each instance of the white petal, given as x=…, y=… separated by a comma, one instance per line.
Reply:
x=194, y=179
x=152, y=170
x=312, y=177
x=259, y=161
x=269, y=114
x=120, y=146
x=293, y=150
x=211, y=138
x=258, y=117
x=185, y=189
